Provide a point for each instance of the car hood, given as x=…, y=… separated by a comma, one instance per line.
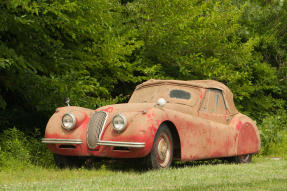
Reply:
x=127, y=107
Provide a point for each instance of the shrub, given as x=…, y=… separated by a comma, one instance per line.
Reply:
x=14, y=150
x=40, y=155
x=279, y=149
x=273, y=130
x=19, y=151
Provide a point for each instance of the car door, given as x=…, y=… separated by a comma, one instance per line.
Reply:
x=217, y=136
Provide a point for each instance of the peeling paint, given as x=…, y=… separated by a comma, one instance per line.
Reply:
x=238, y=126
x=202, y=135
x=109, y=109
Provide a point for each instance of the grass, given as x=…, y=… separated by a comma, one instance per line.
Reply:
x=262, y=174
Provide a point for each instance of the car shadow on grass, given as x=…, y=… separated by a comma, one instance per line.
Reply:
x=179, y=164
x=136, y=165
x=124, y=165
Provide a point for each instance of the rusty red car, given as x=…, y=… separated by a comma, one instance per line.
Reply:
x=163, y=121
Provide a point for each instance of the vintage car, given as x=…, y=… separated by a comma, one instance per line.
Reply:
x=164, y=120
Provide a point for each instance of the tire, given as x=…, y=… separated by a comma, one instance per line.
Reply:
x=67, y=161
x=161, y=154
x=243, y=158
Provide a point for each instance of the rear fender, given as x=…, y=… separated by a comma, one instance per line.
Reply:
x=248, y=138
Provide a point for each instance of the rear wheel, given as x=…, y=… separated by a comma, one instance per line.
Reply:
x=243, y=158
x=161, y=154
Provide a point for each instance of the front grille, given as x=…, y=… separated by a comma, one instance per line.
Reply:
x=95, y=128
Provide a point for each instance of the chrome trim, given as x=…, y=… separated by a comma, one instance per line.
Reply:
x=122, y=144
x=62, y=141
x=103, y=128
x=104, y=125
x=74, y=121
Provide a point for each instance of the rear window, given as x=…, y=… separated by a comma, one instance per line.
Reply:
x=179, y=94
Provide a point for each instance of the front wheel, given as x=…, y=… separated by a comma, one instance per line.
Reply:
x=243, y=158
x=161, y=154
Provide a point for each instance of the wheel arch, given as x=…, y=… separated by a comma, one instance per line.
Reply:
x=248, y=139
x=175, y=138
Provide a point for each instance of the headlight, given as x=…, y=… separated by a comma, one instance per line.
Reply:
x=119, y=122
x=68, y=121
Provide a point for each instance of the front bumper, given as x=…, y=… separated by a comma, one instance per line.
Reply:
x=122, y=144
x=100, y=143
x=62, y=141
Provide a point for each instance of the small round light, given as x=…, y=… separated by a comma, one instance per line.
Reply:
x=68, y=121
x=119, y=122
x=161, y=102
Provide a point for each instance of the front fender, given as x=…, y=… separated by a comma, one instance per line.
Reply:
x=54, y=130
x=141, y=128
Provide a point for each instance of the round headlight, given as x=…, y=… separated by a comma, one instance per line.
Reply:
x=68, y=121
x=119, y=122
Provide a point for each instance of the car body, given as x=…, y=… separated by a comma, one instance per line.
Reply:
x=164, y=120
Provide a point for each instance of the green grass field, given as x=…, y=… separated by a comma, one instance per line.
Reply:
x=261, y=174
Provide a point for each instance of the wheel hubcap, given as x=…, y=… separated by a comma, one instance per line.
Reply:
x=163, y=150
x=245, y=158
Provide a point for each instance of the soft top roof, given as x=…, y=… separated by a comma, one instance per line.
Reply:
x=197, y=83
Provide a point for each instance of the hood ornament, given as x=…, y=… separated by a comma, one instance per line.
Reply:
x=67, y=101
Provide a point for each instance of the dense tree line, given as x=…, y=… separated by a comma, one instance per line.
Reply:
x=97, y=51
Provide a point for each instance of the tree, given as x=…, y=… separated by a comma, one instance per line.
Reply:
x=53, y=49
x=205, y=40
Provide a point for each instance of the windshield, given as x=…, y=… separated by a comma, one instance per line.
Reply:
x=148, y=94
x=172, y=93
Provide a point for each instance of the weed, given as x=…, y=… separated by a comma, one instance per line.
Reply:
x=19, y=151
x=273, y=131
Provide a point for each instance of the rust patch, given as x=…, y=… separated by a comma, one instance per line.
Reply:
x=109, y=109
x=238, y=126
x=202, y=93
x=212, y=131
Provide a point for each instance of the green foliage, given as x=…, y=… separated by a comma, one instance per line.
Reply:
x=279, y=149
x=273, y=132
x=39, y=154
x=190, y=40
x=52, y=50
x=97, y=51
x=265, y=22
x=14, y=148
x=93, y=51
x=19, y=151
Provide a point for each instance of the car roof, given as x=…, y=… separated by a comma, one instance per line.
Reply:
x=197, y=83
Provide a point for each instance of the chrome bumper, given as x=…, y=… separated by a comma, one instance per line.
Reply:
x=103, y=143
x=122, y=144
x=62, y=141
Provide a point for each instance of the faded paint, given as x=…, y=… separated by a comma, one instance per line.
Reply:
x=109, y=109
x=238, y=126
x=202, y=135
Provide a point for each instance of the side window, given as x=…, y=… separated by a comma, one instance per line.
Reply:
x=204, y=105
x=220, y=107
x=213, y=102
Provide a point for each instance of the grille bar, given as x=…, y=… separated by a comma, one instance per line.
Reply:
x=95, y=128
